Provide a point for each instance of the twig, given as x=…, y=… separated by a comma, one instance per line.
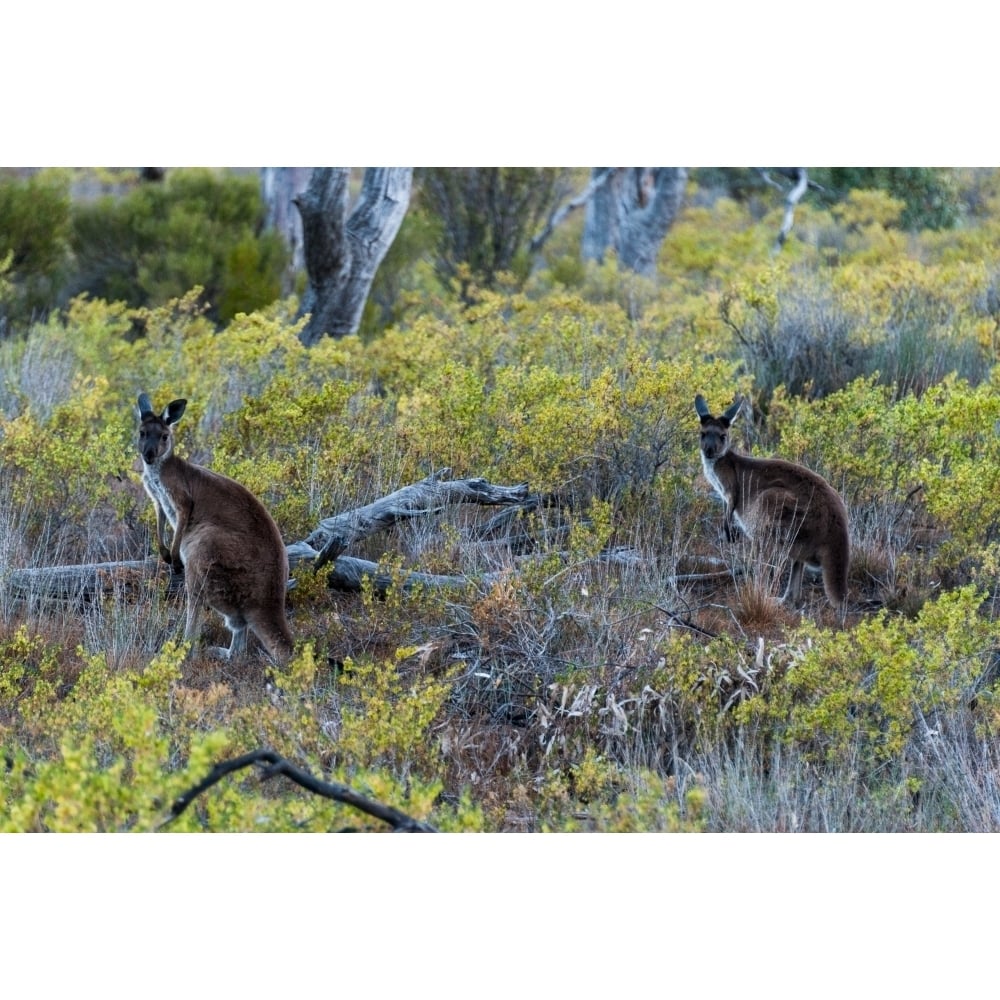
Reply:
x=400, y=822
x=675, y=618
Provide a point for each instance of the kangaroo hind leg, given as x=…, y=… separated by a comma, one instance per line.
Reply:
x=793, y=591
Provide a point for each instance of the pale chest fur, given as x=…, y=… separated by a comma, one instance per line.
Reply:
x=159, y=494
x=708, y=467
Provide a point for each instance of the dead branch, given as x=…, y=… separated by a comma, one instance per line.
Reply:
x=325, y=545
x=348, y=573
x=563, y=210
x=84, y=581
x=276, y=764
x=336, y=534
x=802, y=184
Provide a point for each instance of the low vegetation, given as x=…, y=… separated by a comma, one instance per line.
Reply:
x=607, y=661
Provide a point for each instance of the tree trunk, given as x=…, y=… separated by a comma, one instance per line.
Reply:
x=801, y=178
x=279, y=187
x=342, y=253
x=631, y=214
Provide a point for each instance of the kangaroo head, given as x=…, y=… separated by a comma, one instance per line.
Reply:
x=715, y=430
x=156, y=436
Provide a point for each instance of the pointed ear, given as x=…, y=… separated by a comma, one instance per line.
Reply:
x=730, y=415
x=144, y=405
x=701, y=407
x=174, y=411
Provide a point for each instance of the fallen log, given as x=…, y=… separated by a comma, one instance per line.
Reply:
x=76, y=582
x=348, y=572
x=338, y=533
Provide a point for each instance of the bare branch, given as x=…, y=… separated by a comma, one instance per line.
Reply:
x=791, y=200
x=337, y=533
x=597, y=181
x=276, y=764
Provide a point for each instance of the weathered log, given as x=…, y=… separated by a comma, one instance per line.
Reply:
x=84, y=581
x=349, y=572
x=336, y=534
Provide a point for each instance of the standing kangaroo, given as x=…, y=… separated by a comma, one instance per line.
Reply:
x=224, y=541
x=800, y=508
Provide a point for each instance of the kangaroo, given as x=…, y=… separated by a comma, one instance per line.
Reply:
x=224, y=541
x=769, y=494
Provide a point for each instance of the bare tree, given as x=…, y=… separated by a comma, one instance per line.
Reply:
x=631, y=212
x=801, y=183
x=343, y=252
x=279, y=187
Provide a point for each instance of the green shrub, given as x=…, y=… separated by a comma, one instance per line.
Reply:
x=35, y=236
x=158, y=241
x=929, y=197
x=854, y=698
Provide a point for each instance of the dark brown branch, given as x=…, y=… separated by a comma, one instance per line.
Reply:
x=276, y=764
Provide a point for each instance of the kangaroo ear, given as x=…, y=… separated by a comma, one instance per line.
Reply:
x=701, y=407
x=174, y=411
x=730, y=415
x=144, y=405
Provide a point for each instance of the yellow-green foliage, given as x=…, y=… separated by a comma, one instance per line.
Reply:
x=304, y=449
x=24, y=659
x=851, y=698
x=116, y=751
x=70, y=462
x=104, y=762
x=386, y=717
x=564, y=690
x=610, y=428
x=938, y=451
x=598, y=797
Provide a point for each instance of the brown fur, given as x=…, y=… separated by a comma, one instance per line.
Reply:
x=225, y=542
x=804, y=512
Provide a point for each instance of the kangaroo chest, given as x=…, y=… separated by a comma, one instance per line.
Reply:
x=708, y=467
x=159, y=494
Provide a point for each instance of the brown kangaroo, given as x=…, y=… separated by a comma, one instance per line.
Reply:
x=769, y=494
x=224, y=541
